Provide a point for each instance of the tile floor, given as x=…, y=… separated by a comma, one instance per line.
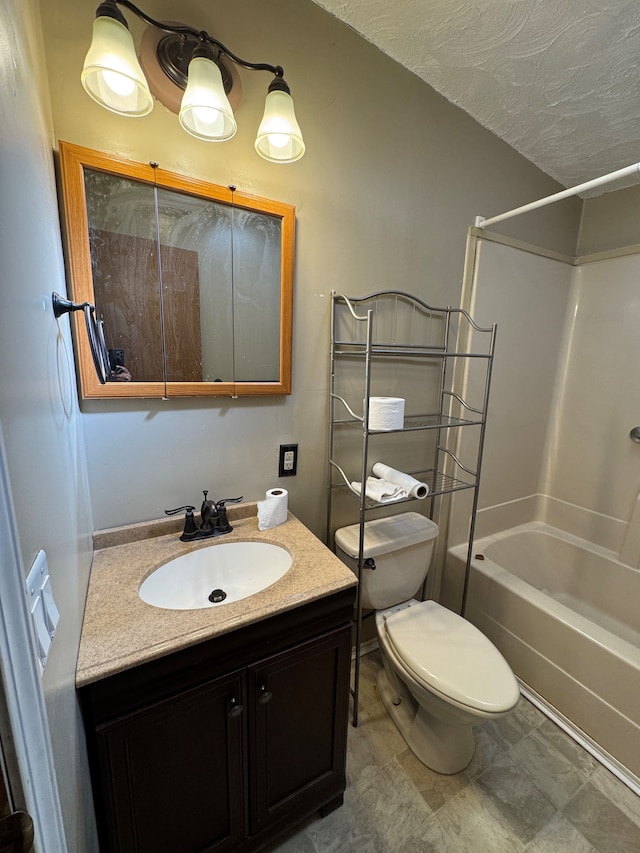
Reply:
x=528, y=788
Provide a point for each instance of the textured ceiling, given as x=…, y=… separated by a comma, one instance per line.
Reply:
x=558, y=80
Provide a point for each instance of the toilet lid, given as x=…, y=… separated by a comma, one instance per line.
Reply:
x=447, y=654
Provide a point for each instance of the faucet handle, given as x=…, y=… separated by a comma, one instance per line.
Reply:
x=229, y=501
x=190, y=528
x=179, y=509
x=223, y=521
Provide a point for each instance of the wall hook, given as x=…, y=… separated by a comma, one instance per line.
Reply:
x=64, y=306
x=95, y=334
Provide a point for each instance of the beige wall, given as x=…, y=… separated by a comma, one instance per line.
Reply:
x=530, y=295
x=392, y=177
x=610, y=221
x=526, y=296
x=39, y=415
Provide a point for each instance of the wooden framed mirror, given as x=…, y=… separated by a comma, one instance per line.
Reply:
x=193, y=282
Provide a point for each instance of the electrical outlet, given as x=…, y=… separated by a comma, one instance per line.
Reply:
x=288, y=463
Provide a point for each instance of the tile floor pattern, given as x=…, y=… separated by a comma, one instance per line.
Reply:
x=529, y=787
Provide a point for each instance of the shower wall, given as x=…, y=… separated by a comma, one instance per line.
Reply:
x=528, y=297
x=564, y=397
x=595, y=464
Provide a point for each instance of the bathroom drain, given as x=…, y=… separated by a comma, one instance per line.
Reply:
x=217, y=595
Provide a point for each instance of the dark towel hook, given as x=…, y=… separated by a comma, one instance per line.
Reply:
x=95, y=332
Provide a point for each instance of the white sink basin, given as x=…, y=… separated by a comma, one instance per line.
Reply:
x=227, y=572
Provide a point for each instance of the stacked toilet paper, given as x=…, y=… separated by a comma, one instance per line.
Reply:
x=386, y=413
x=272, y=511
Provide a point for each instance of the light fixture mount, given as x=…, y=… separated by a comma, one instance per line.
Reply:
x=279, y=84
x=175, y=51
x=195, y=62
x=109, y=9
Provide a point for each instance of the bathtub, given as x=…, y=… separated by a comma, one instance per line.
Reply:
x=566, y=616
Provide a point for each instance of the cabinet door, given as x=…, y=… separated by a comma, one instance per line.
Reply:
x=172, y=773
x=298, y=723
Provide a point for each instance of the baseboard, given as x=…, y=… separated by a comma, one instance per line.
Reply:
x=365, y=648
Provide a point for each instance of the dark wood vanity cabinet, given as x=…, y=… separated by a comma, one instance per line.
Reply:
x=172, y=773
x=297, y=732
x=226, y=744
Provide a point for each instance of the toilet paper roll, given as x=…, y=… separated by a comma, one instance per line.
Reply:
x=413, y=487
x=273, y=510
x=386, y=413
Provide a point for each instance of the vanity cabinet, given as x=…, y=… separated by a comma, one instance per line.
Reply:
x=297, y=723
x=171, y=773
x=226, y=744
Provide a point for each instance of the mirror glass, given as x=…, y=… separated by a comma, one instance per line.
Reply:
x=193, y=282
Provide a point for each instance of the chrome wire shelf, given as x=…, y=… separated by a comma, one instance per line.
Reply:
x=438, y=483
x=395, y=351
x=387, y=340
x=414, y=423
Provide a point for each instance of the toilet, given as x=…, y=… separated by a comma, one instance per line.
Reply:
x=441, y=675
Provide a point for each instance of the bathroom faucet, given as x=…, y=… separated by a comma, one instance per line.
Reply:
x=208, y=514
x=213, y=518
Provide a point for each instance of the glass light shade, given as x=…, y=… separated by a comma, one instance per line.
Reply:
x=112, y=75
x=279, y=137
x=205, y=111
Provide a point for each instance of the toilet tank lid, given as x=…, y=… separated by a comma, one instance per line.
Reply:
x=384, y=535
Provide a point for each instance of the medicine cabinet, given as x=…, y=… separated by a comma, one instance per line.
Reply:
x=192, y=283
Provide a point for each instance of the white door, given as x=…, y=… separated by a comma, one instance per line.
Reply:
x=24, y=732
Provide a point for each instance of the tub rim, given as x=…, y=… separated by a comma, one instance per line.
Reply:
x=603, y=637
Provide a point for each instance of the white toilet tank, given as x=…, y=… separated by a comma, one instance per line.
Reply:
x=401, y=547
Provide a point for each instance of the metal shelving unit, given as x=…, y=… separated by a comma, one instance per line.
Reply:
x=403, y=337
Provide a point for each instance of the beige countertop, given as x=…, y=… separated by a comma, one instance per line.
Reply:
x=120, y=631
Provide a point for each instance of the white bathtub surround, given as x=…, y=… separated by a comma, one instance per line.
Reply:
x=562, y=401
x=600, y=529
x=564, y=614
x=630, y=551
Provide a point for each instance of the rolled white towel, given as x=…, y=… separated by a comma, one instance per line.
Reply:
x=381, y=491
x=413, y=487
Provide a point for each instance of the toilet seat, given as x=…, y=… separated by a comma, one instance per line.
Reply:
x=450, y=656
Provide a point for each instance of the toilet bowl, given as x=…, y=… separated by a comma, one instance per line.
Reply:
x=441, y=675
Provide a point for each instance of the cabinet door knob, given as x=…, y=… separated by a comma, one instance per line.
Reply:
x=235, y=708
x=265, y=695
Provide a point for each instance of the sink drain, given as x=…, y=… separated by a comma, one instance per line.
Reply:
x=217, y=595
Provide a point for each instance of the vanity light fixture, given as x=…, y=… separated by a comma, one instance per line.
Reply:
x=198, y=64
